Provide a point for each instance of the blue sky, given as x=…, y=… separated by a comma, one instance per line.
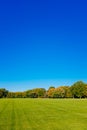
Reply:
x=42, y=43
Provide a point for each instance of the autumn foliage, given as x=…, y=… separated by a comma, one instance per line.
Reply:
x=77, y=90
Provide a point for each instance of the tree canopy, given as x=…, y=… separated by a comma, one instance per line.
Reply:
x=77, y=90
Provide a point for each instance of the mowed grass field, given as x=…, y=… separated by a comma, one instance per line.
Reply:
x=43, y=114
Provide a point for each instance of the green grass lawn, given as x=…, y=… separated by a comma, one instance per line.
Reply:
x=43, y=114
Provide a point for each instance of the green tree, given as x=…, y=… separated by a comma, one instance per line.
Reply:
x=68, y=93
x=33, y=95
x=3, y=92
x=28, y=93
x=77, y=89
x=59, y=92
x=41, y=92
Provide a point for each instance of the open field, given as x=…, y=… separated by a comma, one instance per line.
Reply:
x=43, y=114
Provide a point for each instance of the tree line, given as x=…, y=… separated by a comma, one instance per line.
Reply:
x=77, y=90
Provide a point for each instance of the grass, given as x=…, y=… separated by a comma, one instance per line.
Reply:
x=43, y=114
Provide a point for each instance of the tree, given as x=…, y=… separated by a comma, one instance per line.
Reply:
x=59, y=92
x=19, y=94
x=33, y=95
x=85, y=92
x=77, y=89
x=3, y=92
x=40, y=92
x=28, y=93
x=11, y=95
x=68, y=93
x=50, y=92
x=37, y=92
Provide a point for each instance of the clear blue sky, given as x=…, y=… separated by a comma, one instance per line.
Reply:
x=42, y=43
